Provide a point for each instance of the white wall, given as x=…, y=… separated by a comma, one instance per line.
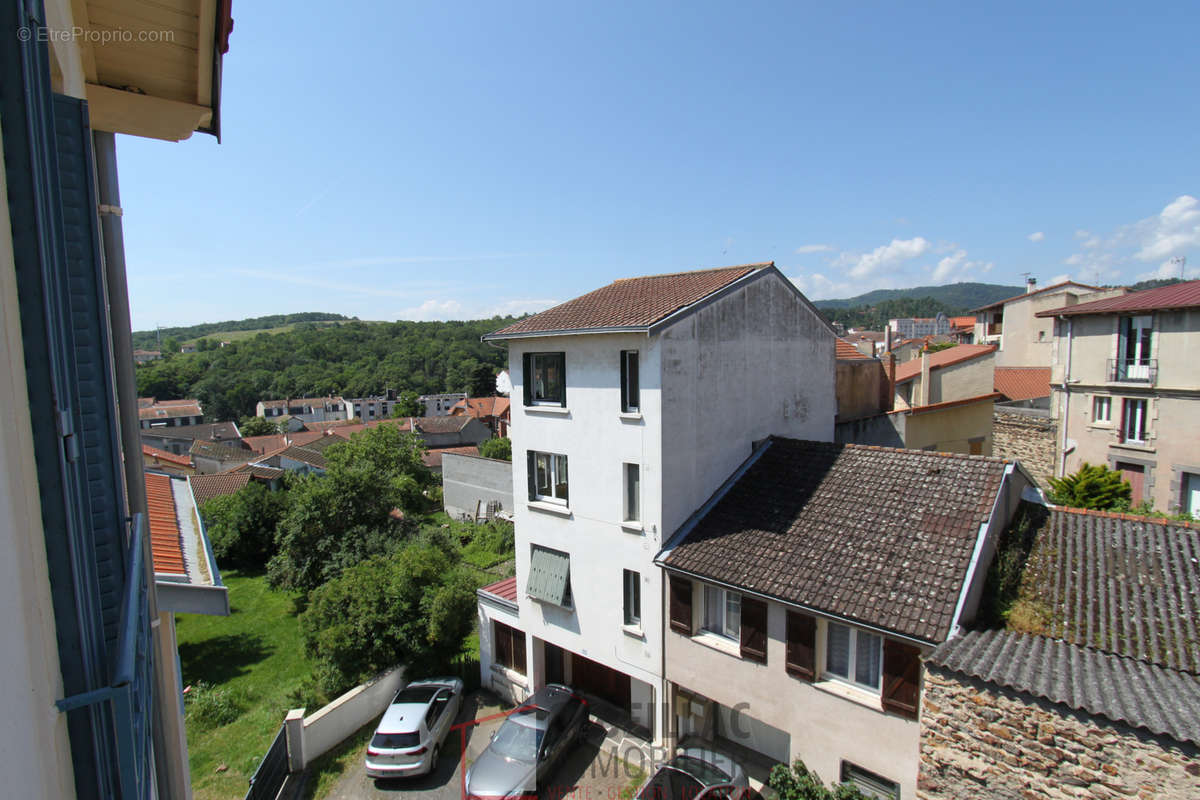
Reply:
x=328, y=727
x=34, y=748
x=509, y=685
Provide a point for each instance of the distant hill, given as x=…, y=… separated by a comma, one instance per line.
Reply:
x=956, y=297
x=148, y=340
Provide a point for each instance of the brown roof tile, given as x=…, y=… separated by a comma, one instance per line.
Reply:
x=870, y=534
x=1022, y=383
x=206, y=487
x=630, y=302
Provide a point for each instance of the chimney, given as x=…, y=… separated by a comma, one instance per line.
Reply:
x=1030, y=284
x=924, y=396
x=890, y=405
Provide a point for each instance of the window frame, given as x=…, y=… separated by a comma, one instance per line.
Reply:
x=724, y=596
x=631, y=382
x=631, y=496
x=503, y=632
x=560, y=358
x=553, y=463
x=1141, y=421
x=631, y=583
x=1105, y=401
x=871, y=784
x=851, y=676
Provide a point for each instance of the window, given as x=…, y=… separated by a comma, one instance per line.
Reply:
x=722, y=613
x=548, y=474
x=1101, y=409
x=1136, y=337
x=630, y=381
x=545, y=379
x=870, y=784
x=1133, y=422
x=509, y=646
x=853, y=655
x=633, y=597
x=633, y=492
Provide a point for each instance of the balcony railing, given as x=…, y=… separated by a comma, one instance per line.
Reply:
x=131, y=694
x=1133, y=370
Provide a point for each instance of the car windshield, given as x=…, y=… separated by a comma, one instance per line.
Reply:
x=395, y=741
x=418, y=695
x=518, y=741
x=700, y=770
x=671, y=784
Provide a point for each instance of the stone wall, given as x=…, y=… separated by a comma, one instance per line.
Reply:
x=980, y=740
x=1027, y=435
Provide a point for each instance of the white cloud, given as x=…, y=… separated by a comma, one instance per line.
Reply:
x=434, y=309
x=1175, y=230
x=1168, y=269
x=813, y=248
x=1037, y=236
x=889, y=255
x=1082, y=234
x=956, y=268
x=1066, y=276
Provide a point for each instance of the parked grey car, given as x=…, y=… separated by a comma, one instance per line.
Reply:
x=697, y=774
x=524, y=752
x=410, y=735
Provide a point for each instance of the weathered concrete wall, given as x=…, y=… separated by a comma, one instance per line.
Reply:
x=862, y=388
x=471, y=480
x=883, y=430
x=1028, y=435
x=978, y=740
x=316, y=734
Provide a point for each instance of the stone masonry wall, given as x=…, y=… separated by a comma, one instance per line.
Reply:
x=1028, y=438
x=980, y=740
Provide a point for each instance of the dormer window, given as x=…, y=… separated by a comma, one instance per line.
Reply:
x=545, y=379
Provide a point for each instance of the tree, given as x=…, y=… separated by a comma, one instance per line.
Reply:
x=798, y=783
x=241, y=526
x=1093, y=486
x=483, y=381
x=412, y=607
x=257, y=426
x=407, y=405
x=500, y=448
x=170, y=345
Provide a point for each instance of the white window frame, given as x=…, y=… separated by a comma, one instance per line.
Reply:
x=852, y=645
x=631, y=501
x=632, y=590
x=1138, y=420
x=1102, y=401
x=725, y=626
x=555, y=462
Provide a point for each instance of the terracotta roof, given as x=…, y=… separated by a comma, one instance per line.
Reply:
x=962, y=322
x=166, y=545
x=432, y=458
x=846, y=350
x=1025, y=295
x=257, y=471
x=446, y=424
x=275, y=441
x=480, y=407
x=206, y=487
x=943, y=358
x=305, y=455
x=221, y=451
x=169, y=409
x=1164, y=298
x=163, y=455
x=1022, y=383
x=873, y=535
x=505, y=589
x=630, y=302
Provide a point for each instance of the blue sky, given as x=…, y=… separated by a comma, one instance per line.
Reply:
x=458, y=160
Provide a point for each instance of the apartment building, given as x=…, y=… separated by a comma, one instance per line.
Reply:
x=1126, y=391
x=91, y=697
x=631, y=405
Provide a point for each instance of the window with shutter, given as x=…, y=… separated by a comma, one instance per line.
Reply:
x=681, y=605
x=754, y=630
x=901, y=678
x=801, y=660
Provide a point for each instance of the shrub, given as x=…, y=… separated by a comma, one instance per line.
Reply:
x=241, y=526
x=1093, y=486
x=798, y=783
x=211, y=706
x=500, y=448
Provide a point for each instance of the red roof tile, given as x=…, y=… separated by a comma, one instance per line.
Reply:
x=1164, y=298
x=1022, y=383
x=630, y=302
x=166, y=545
x=433, y=458
x=480, y=407
x=163, y=455
x=505, y=589
x=962, y=322
x=846, y=350
x=943, y=358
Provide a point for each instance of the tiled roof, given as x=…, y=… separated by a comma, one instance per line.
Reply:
x=1162, y=701
x=257, y=471
x=220, y=451
x=505, y=589
x=480, y=407
x=432, y=458
x=943, y=358
x=445, y=424
x=206, y=487
x=212, y=431
x=844, y=349
x=1126, y=585
x=1164, y=298
x=315, y=402
x=304, y=455
x=875, y=535
x=1022, y=383
x=276, y=441
x=963, y=322
x=630, y=302
x=166, y=546
x=168, y=409
x=1025, y=295
x=163, y=455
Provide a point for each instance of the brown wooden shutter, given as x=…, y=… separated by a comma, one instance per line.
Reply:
x=901, y=678
x=681, y=605
x=527, y=378
x=801, y=658
x=754, y=630
x=518, y=648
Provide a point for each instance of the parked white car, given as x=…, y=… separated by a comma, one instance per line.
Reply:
x=410, y=735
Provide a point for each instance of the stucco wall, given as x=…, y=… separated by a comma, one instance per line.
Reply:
x=950, y=430
x=1026, y=435
x=822, y=726
x=471, y=481
x=862, y=388
x=979, y=740
x=506, y=683
x=1028, y=340
x=960, y=381
x=884, y=430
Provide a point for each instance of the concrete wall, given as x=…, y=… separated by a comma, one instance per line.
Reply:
x=950, y=430
x=34, y=748
x=1028, y=340
x=883, y=430
x=822, y=723
x=981, y=740
x=861, y=388
x=474, y=481
x=312, y=736
x=1028, y=435
x=959, y=381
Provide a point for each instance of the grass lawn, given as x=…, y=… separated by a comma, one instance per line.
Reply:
x=256, y=653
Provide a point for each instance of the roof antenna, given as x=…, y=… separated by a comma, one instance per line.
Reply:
x=1181, y=261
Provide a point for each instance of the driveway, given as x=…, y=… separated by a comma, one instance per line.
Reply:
x=591, y=772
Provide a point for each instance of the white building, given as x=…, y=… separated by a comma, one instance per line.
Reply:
x=439, y=405
x=631, y=406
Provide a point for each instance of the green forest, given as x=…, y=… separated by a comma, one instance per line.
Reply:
x=353, y=359
x=150, y=340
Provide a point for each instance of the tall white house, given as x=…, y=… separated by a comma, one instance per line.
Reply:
x=631, y=405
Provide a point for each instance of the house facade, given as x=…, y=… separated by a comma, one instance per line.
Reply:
x=305, y=409
x=917, y=327
x=1126, y=386
x=154, y=413
x=369, y=409
x=629, y=410
x=439, y=405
